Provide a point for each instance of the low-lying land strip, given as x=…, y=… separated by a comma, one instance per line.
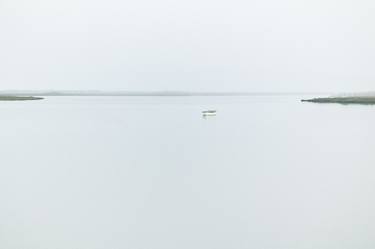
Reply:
x=363, y=100
x=18, y=98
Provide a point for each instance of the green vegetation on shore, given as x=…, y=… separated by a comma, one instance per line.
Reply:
x=18, y=98
x=362, y=100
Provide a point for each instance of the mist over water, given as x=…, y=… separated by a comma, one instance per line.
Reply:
x=268, y=172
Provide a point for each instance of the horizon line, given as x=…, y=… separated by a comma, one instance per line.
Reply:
x=151, y=93
x=167, y=91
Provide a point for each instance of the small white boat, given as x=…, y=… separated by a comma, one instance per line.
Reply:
x=209, y=113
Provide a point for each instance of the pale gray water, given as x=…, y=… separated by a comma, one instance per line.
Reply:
x=268, y=172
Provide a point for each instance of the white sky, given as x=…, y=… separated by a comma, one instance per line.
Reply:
x=194, y=45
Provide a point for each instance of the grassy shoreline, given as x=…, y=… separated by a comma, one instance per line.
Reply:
x=18, y=98
x=361, y=100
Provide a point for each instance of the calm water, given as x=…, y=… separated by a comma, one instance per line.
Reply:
x=150, y=173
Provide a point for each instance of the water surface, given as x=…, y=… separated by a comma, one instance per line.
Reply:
x=268, y=172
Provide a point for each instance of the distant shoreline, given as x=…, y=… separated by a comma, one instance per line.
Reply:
x=145, y=93
x=362, y=100
x=18, y=98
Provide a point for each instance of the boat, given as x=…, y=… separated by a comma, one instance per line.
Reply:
x=209, y=113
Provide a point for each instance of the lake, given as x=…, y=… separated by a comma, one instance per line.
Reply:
x=268, y=172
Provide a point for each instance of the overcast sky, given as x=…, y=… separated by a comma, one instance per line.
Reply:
x=194, y=45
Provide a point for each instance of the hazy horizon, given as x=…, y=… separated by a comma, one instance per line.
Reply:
x=152, y=93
